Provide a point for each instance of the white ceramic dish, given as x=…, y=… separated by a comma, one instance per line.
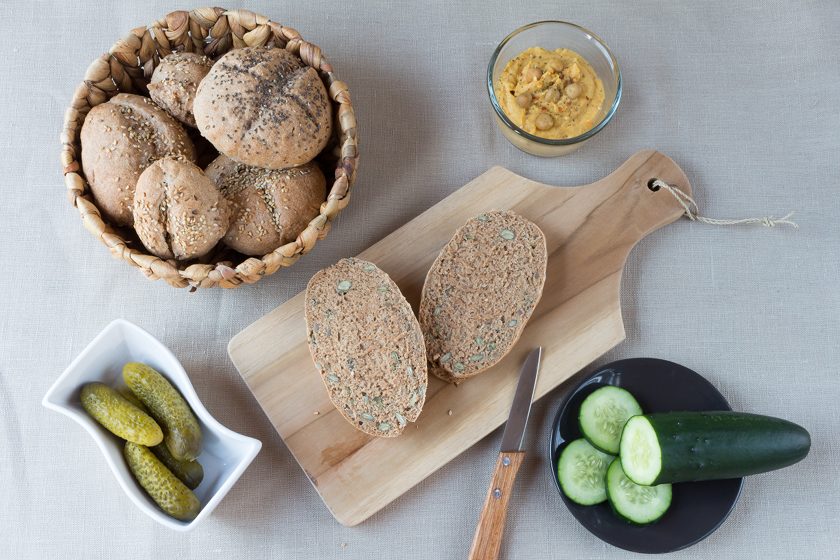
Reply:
x=225, y=454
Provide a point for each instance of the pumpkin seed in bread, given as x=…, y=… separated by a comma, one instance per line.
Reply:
x=367, y=346
x=480, y=292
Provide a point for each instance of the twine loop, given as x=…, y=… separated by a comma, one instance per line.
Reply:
x=692, y=212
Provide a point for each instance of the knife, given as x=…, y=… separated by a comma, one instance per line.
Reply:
x=491, y=522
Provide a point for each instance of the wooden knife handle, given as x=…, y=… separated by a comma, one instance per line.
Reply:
x=491, y=524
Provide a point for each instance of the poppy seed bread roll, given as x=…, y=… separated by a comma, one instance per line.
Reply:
x=264, y=107
x=178, y=211
x=269, y=207
x=480, y=292
x=367, y=346
x=120, y=139
x=175, y=81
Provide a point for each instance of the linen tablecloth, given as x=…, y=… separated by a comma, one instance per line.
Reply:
x=743, y=95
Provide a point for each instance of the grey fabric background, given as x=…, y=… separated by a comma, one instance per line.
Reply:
x=744, y=96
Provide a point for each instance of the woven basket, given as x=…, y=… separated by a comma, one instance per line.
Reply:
x=128, y=67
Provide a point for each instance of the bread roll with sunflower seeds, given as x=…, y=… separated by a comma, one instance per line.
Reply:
x=269, y=207
x=178, y=211
x=120, y=139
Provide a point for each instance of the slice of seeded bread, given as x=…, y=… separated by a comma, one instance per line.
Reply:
x=367, y=346
x=480, y=292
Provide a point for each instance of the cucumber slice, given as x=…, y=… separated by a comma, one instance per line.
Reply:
x=687, y=446
x=640, y=451
x=603, y=415
x=632, y=502
x=581, y=470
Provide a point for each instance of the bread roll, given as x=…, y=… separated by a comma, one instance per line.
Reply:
x=178, y=211
x=367, y=346
x=120, y=139
x=269, y=207
x=480, y=292
x=174, y=82
x=264, y=107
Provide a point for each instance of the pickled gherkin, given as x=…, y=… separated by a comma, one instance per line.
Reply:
x=182, y=434
x=167, y=491
x=131, y=397
x=119, y=416
x=189, y=472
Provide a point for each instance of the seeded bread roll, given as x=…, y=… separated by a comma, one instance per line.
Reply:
x=174, y=82
x=264, y=107
x=269, y=207
x=178, y=211
x=120, y=139
x=480, y=292
x=367, y=346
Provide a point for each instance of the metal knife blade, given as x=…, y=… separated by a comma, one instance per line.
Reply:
x=520, y=409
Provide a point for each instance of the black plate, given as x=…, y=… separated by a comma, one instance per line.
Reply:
x=698, y=508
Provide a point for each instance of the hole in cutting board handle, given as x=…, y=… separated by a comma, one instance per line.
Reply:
x=651, y=185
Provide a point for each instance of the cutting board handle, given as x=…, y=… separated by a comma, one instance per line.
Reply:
x=616, y=211
x=648, y=209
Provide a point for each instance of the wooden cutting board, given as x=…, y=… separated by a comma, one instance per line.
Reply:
x=589, y=230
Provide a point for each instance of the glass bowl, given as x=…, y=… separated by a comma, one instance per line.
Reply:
x=553, y=35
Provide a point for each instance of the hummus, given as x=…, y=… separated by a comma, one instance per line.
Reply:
x=551, y=94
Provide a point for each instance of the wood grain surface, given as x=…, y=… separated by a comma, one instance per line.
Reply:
x=590, y=230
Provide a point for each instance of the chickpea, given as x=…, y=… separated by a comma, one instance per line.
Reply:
x=544, y=121
x=523, y=100
x=556, y=65
x=533, y=74
x=572, y=91
x=551, y=95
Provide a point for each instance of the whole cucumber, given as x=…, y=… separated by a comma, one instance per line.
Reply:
x=182, y=432
x=168, y=492
x=119, y=416
x=689, y=446
x=190, y=473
